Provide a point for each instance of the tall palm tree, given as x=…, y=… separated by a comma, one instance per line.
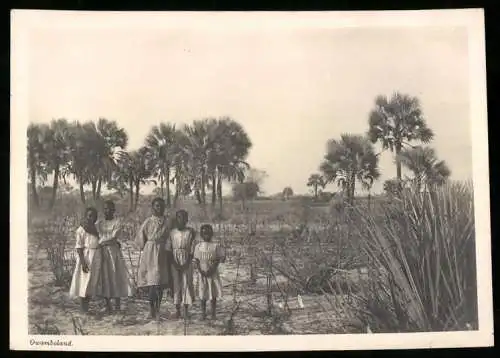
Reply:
x=229, y=154
x=110, y=138
x=162, y=143
x=199, y=142
x=426, y=168
x=396, y=122
x=35, y=158
x=350, y=159
x=133, y=170
x=316, y=181
x=56, y=142
x=78, y=164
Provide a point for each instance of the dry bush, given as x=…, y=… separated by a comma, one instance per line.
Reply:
x=422, y=264
x=53, y=235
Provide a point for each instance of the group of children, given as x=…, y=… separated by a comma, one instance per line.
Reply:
x=170, y=255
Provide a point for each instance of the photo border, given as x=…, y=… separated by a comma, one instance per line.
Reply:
x=25, y=21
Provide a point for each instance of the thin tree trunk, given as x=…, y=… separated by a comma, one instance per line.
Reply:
x=82, y=191
x=167, y=186
x=219, y=192
x=94, y=188
x=161, y=186
x=98, y=191
x=137, y=187
x=33, y=184
x=214, y=189
x=203, y=189
x=398, y=162
x=316, y=191
x=131, y=194
x=54, y=186
x=176, y=194
x=353, y=187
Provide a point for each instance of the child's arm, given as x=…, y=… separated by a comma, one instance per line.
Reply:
x=196, y=260
x=80, y=245
x=193, y=243
x=141, y=238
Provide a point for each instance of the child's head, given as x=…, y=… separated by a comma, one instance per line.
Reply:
x=206, y=232
x=158, y=205
x=90, y=215
x=181, y=218
x=109, y=209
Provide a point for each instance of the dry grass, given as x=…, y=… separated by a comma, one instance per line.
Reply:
x=292, y=268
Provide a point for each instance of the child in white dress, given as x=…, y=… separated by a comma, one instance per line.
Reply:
x=114, y=281
x=86, y=273
x=207, y=256
x=180, y=247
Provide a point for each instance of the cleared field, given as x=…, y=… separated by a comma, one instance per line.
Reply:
x=291, y=268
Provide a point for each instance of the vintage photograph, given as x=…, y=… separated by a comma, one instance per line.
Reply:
x=254, y=174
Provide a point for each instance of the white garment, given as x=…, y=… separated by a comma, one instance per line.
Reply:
x=83, y=283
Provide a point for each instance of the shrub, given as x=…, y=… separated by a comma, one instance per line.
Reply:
x=423, y=253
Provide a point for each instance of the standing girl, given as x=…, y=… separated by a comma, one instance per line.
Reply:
x=114, y=281
x=154, y=270
x=207, y=256
x=181, y=247
x=86, y=273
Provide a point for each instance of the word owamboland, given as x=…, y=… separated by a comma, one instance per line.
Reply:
x=50, y=342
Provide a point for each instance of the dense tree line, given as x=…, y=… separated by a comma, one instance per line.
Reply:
x=195, y=158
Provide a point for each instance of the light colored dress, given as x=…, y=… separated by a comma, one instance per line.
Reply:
x=83, y=284
x=181, y=245
x=209, y=287
x=153, y=266
x=114, y=279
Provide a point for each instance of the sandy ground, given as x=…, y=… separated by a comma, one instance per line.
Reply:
x=51, y=308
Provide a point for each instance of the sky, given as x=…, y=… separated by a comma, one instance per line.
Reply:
x=291, y=88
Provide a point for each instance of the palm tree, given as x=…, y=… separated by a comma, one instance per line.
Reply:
x=199, y=139
x=396, y=122
x=78, y=156
x=316, y=181
x=426, y=168
x=162, y=143
x=110, y=138
x=228, y=154
x=35, y=158
x=133, y=169
x=350, y=159
x=56, y=144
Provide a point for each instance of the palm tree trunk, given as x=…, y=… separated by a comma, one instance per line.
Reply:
x=353, y=187
x=177, y=190
x=161, y=185
x=82, y=191
x=98, y=191
x=214, y=186
x=54, y=186
x=94, y=188
x=33, y=184
x=131, y=194
x=219, y=191
x=398, y=162
x=203, y=189
x=167, y=185
x=137, y=187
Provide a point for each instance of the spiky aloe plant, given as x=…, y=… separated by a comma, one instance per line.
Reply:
x=424, y=251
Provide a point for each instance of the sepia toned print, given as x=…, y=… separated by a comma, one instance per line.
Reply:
x=285, y=178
